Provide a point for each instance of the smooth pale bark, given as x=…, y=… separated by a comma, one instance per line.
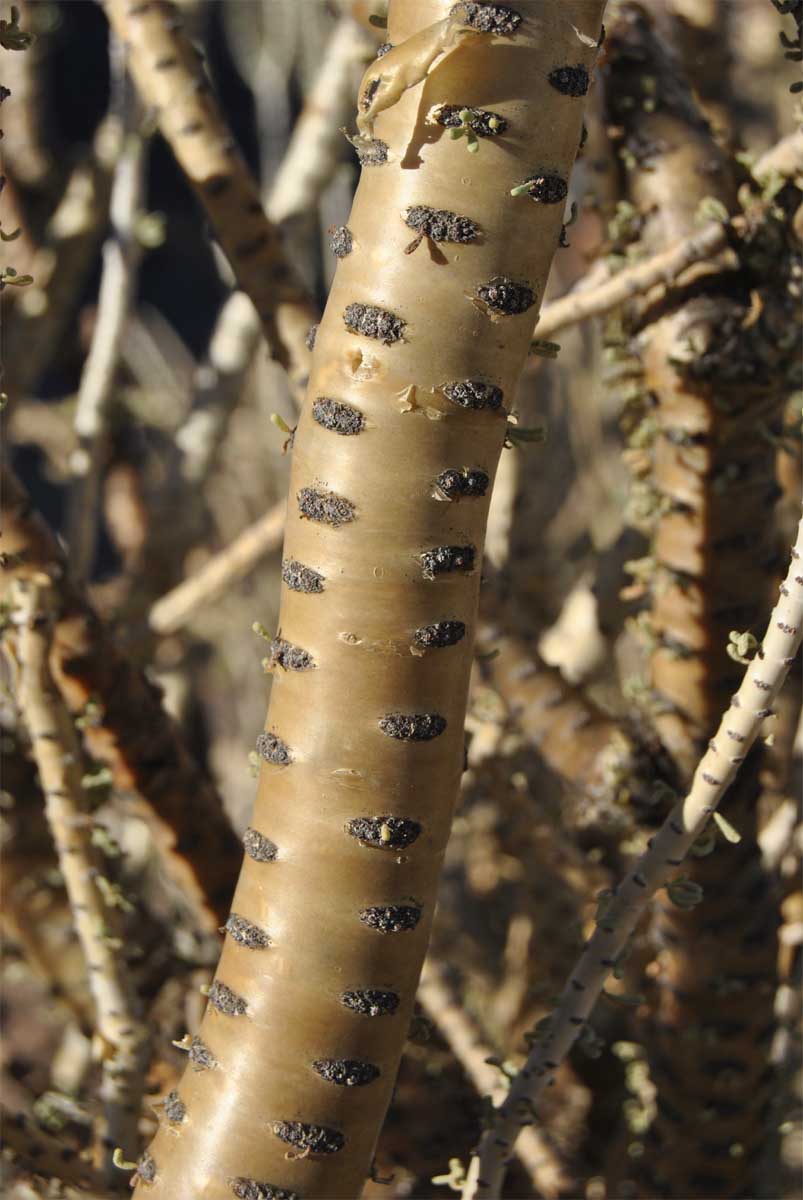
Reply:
x=382, y=551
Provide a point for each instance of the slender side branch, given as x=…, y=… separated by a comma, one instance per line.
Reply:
x=548, y=1174
x=166, y=69
x=662, y=268
x=785, y=158
x=173, y=610
x=125, y=726
x=59, y=762
x=122, y=253
x=739, y=728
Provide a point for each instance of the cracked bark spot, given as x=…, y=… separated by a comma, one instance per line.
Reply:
x=386, y=832
x=316, y=1139
x=413, y=727
x=439, y=635
x=489, y=18
x=456, y=483
x=374, y=322
x=327, y=508
x=442, y=560
x=337, y=417
x=226, y=1001
x=175, y=1108
x=255, y=1189
x=570, y=81
x=300, y=578
x=201, y=1056
x=273, y=750
x=481, y=121
x=284, y=654
x=341, y=241
x=547, y=189
x=473, y=393
x=505, y=296
x=371, y=1002
x=258, y=847
x=441, y=225
x=346, y=1072
x=391, y=918
x=246, y=933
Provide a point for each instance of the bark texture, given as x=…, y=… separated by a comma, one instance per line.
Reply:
x=716, y=355
x=327, y=937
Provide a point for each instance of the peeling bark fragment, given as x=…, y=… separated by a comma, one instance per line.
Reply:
x=201, y=1056
x=226, y=1001
x=300, y=578
x=312, y=333
x=413, y=727
x=441, y=560
x=456, y=482
x=146, y=1168
x=346, y=1072
x=441, y=225
x=481, y=121
x=371, y=152
x=338, y=417
x=258, y=847
x=289, y=657
x=442, y=633
x=245, y=933
x=570, y=81
x=505, y=296
x=370, y=1002
x=488, y=18
x=391, y=918
x=316, y=1139
x=341, y=241
x=254, y=1189
x=547, y=189
x=389, y=833
x=175, y=1108
x=369, y=93
x=473, y=393
x=374, y=322
x=326, y=507
x=273, y=750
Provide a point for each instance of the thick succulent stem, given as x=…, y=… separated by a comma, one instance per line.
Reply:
x=666, y=851
x=716, y=356
x=416, y=360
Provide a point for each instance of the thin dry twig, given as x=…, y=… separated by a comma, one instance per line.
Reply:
x=122, y=252
x=594, y=296
x=122, y=1034
x=170, y=78
x=655, y=868
x=548, y=1174
x=173, y=610
x=125, y=726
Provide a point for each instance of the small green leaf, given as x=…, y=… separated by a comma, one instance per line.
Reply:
x=684, y=893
